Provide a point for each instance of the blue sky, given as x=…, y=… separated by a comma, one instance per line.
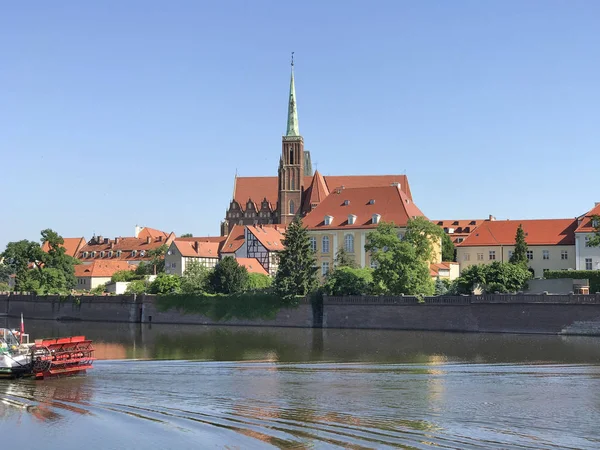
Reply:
x=117, y=113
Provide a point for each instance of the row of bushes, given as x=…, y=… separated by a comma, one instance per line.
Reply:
x=593, y=276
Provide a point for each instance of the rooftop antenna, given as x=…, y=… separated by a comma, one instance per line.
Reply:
x=292, y=59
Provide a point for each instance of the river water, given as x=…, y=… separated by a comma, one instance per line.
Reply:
x=180, y=387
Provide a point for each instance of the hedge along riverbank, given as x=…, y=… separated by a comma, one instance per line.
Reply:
x=222, y=307
x=592, y=275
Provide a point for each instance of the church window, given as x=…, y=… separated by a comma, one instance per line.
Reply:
x=325, y=244
x=349, y=243
x=291, y=160
x=292, y=207
x=292, y=181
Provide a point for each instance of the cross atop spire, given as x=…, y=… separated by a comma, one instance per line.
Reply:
x=292, y=122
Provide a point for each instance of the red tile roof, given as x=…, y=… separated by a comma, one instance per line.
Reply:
x=434, y=269
x=316, y=192
x=152, y=234
x=199, y=247
x=121, y=248
x=252, y=265
x=270, y=236
x=392, y=204
x=258, y=188
x=71, y=245
x=462, y=227
x=537, y=232
x=102, y=268
x=234, y=240
x=585, y=221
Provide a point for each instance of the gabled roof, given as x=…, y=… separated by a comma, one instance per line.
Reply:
x=316, y=192
x=434, y=269
x=122, y=248
x=102, y=268
x=585, y=221
x=152, y=233
x=389, y=202
x=258, y=188
x=234, y=240
x=252, y=265
x=199, y=247
x=537, y=232
x=71, y=246
x=270, y=236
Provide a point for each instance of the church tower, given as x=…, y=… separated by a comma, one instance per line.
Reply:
x=291, y=163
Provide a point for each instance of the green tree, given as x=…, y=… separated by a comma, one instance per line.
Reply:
x=422, y=235
x=402, y=265
x=228, y=277
x=98, y=290
x=496, y=277
x=165, y=284
x=595, y=239
x=519, y=255
x=56, y=258
x=136, y=287
x=124, y=275
x=195, y=278
x=156, y=264
x=448, y=250
x=259, y=281
x=19, y=256
x=4, y=287
x=343, y=259
x=441, y=287
x=186, y=235
x=349, y=281
x=297, y=272
x=5, y=272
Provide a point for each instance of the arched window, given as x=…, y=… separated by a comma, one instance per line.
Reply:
x=349, y=243
x=325, y=244
x=291, y=160
x=293, y=180
x=292, y=207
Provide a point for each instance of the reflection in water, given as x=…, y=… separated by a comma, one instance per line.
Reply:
x=238, y=387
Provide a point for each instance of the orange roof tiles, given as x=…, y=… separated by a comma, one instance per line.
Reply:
x=317, y=191
x=434, y=269
x=122, y=248
x=71, y=245
x=152, y=234
x=258, y=188
x=585, y=221
x=102, y=268
x=462, y=228
x=392, y=204
x=252, y=265
x=537, y=232
x=199, y=247
x=234, y=240
x=270, y=236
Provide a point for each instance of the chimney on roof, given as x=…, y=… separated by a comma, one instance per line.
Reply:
x=99, y=239
x=137, y=230
x=116, y=240
x=148, y=239
x=196, y=246
x=490, y=218
x=160, y=239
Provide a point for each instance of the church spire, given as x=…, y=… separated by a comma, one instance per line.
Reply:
x=292, y=122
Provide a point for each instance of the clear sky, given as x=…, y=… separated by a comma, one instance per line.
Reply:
x=119, y=113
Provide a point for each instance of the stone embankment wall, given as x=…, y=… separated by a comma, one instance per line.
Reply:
x=569, y=314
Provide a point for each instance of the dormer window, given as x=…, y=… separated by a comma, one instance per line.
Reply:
x=110, y=254
x=328, y=220
x=85, y=254
x=101, y=254
x=346, y=202
x=371, y=202
x=375, y=218
x=93, y=254
x=133, y=253
x=450, y=230
x=118, y=253
x=143, y=253
x=351, y=219
x=595, y=223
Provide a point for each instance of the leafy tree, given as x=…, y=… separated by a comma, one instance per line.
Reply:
x=595, y=239
x=5, y=272
x=448, y=250
x=136, y=287
x=343, y=259
x=195, y=278
x=297, y=272
x=519, y=255
x=402, y=265
x=422, y=234
x=441, y=287
x=496, y=277
x=157, y=261
x=4, y=287
x=165, y=284
x=56, y=258
x=124, y=275
x=349, y=281
x=259, y=281
x=228, y=277
x=98, y=290
x=186, y=235
x=19, y=256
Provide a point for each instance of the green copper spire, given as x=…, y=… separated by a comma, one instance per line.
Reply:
x=292, y=122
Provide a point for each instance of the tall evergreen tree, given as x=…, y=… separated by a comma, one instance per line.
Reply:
x=343, y=259
x=519, y=255
x=297, y=272
x=228, y=277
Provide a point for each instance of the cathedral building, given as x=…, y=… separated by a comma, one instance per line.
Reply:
x=296, y=190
